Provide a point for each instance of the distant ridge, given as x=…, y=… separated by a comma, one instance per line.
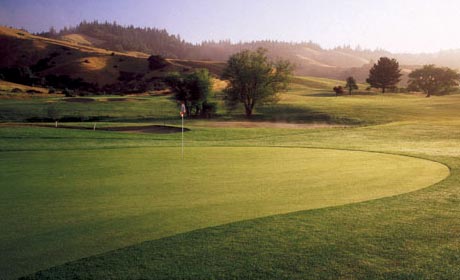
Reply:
x=311, y=59
x=94, y=42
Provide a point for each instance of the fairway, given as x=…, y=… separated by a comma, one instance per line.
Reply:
x=58, y=206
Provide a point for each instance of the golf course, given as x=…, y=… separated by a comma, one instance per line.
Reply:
x=316, y=186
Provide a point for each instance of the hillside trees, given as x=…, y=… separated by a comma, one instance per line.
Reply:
x=253, y=79
x=111, y=35
x=192, y=89
x=20, y=75
x=433, y=80
x=351, y=84
x=384, y=74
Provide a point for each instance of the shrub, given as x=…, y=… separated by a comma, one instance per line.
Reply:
x=68, y=93
x=130, y=76
x=33, y=91
x=156, y=62
x=338, y=90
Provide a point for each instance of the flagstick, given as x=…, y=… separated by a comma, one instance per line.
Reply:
x=182, y=115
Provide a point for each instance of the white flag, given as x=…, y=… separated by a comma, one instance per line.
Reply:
x=183, y=110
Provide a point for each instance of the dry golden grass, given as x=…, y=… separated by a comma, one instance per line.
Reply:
x=76, y=39
x=94, y=63
x=81, y=39
x=218, y=84
x=314, y=62
x=78, y=57
x=8, y=86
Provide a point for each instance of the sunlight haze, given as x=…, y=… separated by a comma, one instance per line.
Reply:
x=397, y=26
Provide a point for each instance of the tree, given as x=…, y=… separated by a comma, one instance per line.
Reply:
x=253, y=79
x=52, y=32
x=384, y=74
x=433, y=80
x=351, y=84
x=192, y=90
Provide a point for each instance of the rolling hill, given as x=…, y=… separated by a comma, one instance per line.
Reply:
x=80, y=62
x=310, y=58
x=113, y=58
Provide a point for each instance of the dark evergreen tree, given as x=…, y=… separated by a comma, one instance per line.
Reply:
x=384, y=74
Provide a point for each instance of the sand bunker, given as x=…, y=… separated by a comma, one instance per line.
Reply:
x=146, y=129
x=79, y=99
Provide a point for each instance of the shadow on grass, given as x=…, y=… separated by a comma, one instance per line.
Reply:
x=332, y=94
x=297, y=114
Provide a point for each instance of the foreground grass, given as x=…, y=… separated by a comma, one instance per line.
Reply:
x=407, y=237
x=412, y=236
x=73, y=204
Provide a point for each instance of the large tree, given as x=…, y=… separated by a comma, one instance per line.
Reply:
x=433, y=80
x=254, y=79
x=384, y=74
x=191, y=89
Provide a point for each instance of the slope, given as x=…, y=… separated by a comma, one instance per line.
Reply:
x=77, y=59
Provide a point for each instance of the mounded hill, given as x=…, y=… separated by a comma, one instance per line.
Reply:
x=82, y=65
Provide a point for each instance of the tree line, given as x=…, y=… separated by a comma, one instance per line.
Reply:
x=111, y=35
x=386, y=74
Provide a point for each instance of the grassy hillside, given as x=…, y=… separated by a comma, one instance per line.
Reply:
x=310, y=58
x=77, y=60
x=10, y=88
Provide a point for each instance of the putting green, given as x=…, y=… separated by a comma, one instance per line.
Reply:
x=58, y=206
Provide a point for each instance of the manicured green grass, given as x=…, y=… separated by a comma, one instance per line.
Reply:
x=71, y=204
x=152, y=107
x=409, y=236
x=302, y=104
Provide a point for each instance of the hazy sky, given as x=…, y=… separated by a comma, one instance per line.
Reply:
x=399, y=26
